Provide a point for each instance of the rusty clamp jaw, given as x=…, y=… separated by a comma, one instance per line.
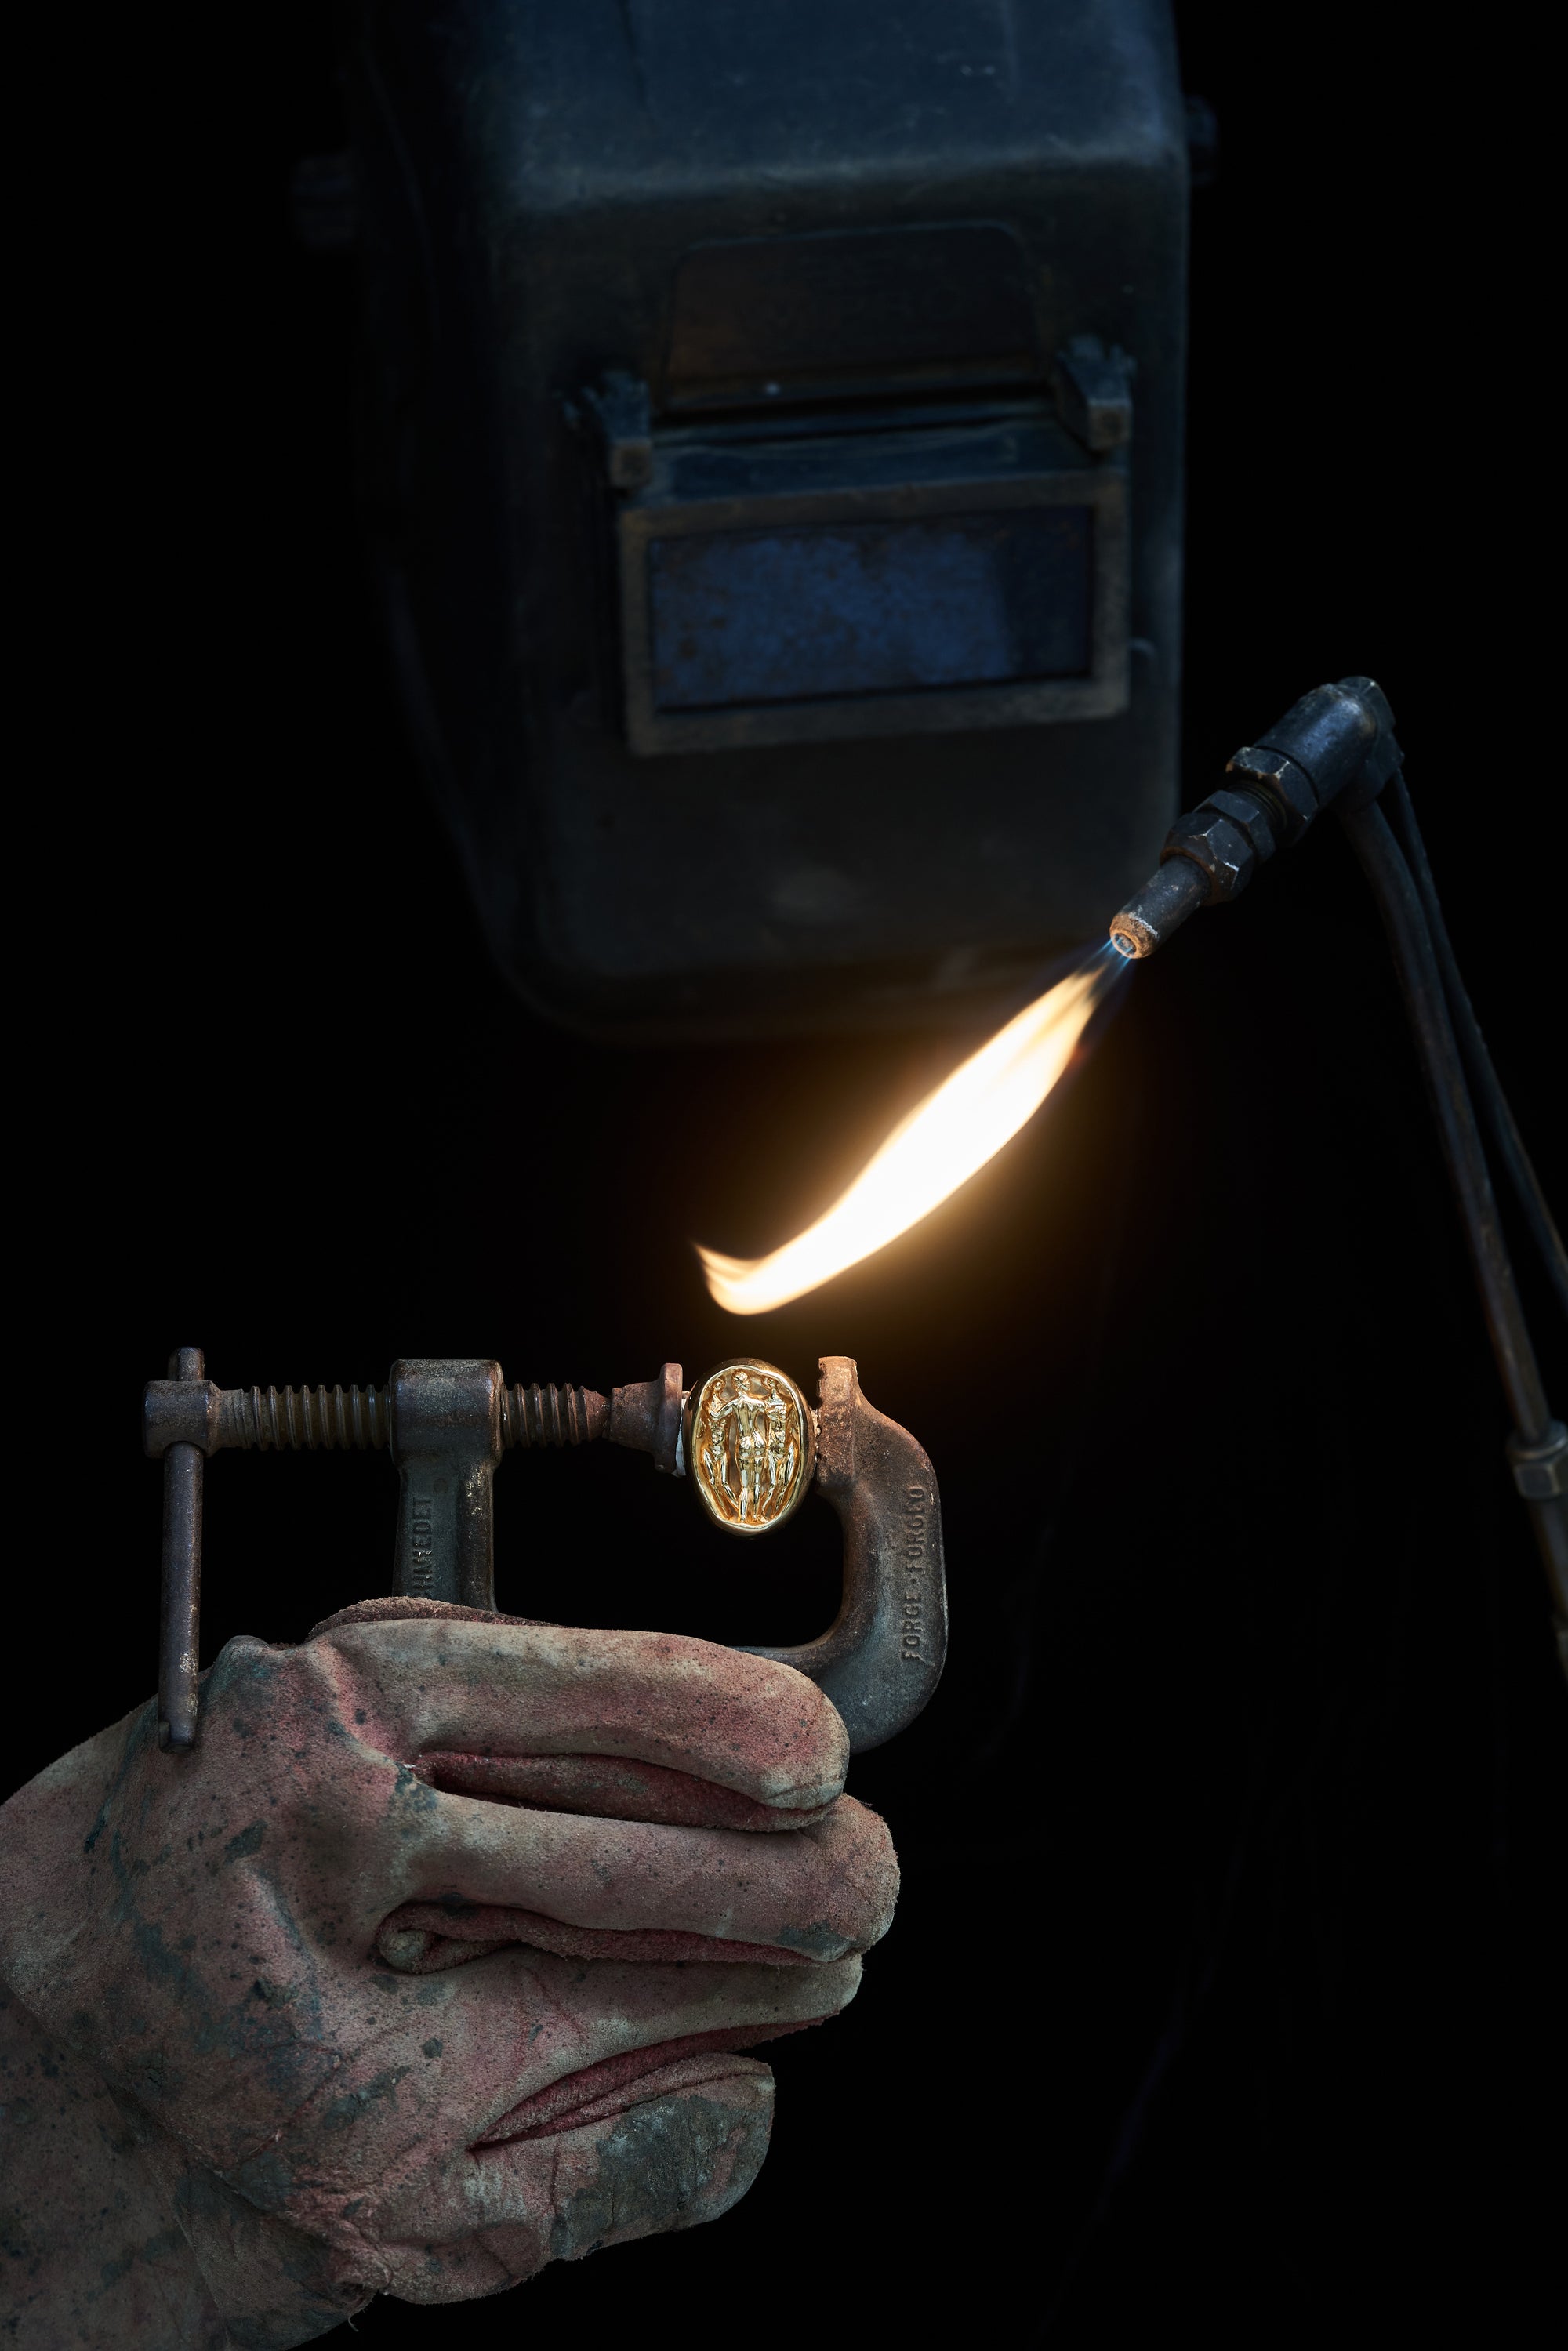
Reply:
x=752, y=1443
x=881, y=1658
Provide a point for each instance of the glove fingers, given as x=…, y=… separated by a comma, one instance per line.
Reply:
x=822, y=1891
x=681, y=2154
x=608, y=2088
x=614, y=1787
x=467, y=2048
x=460, y=1686
x=425, y=1939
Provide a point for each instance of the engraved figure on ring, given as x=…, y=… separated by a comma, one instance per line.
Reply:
x=751, y=1449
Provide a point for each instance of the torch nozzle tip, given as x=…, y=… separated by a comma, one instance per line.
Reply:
x=1169, y=895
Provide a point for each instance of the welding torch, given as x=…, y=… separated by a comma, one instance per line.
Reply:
x=1337, y=747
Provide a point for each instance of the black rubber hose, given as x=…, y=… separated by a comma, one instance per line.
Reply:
x=1492, y=1102
x=1414, y=960
x=1404, y=919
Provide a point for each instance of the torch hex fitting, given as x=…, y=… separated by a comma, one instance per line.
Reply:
x=1337, y=742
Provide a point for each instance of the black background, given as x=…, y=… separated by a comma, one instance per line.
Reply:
x=1219, y=1999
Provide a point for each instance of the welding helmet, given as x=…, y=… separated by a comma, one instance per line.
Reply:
x=773, y=429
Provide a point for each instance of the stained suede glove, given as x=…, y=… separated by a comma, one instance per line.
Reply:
x=430, y=1964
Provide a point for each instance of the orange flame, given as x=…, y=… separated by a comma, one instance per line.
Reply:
x=938, y=1146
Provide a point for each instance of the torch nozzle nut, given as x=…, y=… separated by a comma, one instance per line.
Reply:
x=1216, y=843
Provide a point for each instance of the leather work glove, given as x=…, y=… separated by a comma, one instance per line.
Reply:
x=431, y=1963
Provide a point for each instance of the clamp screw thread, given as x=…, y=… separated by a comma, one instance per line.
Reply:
x=348, y=1420
x=301, y=1420
x=550, y=1415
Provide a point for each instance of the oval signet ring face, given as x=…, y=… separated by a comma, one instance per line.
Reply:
x=750, y=1442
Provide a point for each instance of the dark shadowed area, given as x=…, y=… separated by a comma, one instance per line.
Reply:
x=1221, y=2000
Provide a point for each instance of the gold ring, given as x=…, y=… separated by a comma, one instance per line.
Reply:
x=750, y=1439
